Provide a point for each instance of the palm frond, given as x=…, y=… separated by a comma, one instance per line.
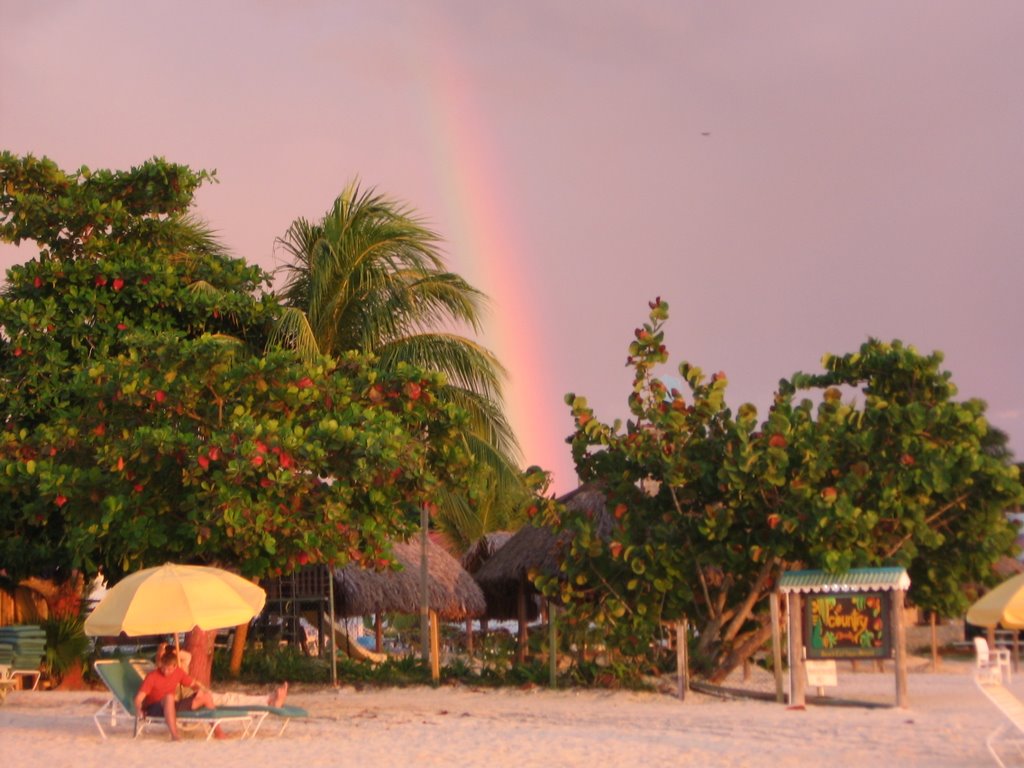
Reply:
x=292, y=331
x=467, y=364
x=204, y=288
x=370, y=276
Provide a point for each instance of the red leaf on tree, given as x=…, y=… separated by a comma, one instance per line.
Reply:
x=118, y=284
x=60, y=500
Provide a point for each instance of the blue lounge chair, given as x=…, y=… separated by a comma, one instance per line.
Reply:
x=124, y=681
x=260, y=712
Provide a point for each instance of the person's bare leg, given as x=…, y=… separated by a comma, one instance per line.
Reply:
x=204, y=700
x=171, y=716
x=277, y=697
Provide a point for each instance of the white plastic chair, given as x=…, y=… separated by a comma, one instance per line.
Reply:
x=991, y=664
x=7, y=681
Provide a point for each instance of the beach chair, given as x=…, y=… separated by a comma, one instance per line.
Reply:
x=991, y=664
x=261, y=712
x=1013, y=709
x=7, y=681
x=123, y=681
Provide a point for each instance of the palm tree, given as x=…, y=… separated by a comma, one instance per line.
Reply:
x=370, y=276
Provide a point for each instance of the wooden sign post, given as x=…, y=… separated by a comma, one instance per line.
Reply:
x=853, y=615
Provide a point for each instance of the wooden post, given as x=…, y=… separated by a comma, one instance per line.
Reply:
x=521, y=617
x=900, y=638
x=332, y=618
x=469, y=636
x=780, y=693
x=552, y=646
x=424, y=596
x=435, y=649
x=1016, y=649
x=682, y=664
x=935, y=643
x=378, y=633
x=797, y=676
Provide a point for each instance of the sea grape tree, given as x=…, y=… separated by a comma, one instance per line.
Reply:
x=144, y=418
x=870, y=462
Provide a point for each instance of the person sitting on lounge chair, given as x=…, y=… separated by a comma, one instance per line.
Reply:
x=156, y=694
x=275, y=698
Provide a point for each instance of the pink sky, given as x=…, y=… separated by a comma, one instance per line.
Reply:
x=863, y=173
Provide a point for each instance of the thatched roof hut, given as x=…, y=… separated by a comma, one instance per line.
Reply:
x=533, y=549
x=483, y=549
x=451, y=592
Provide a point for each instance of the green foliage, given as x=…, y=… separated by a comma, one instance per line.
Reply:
x=370, y=276
x=709, y=507
x=143, y=419
x=67, y=646
x=273, y=666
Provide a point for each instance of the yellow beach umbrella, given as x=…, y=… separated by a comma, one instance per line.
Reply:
x=1002, y=606
x=175, y=598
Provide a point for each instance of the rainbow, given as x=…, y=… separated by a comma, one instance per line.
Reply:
x=481, y=234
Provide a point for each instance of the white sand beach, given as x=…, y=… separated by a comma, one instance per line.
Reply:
x=946, y=725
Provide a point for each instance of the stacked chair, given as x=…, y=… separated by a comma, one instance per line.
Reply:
x=22, y=649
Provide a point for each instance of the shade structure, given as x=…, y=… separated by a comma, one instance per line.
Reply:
x=1002, y=606
x=536, y=549
x=451, y=592
x=175, y=598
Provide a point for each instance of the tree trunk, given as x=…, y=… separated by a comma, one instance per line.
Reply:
x=238, y=649
x=200, y=644
x=743, y=650
x=62, y=599
x=73, y=679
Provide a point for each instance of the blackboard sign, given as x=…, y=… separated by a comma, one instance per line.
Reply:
x=848, y=626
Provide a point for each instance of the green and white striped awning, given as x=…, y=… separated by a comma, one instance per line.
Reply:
x=854, y=580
